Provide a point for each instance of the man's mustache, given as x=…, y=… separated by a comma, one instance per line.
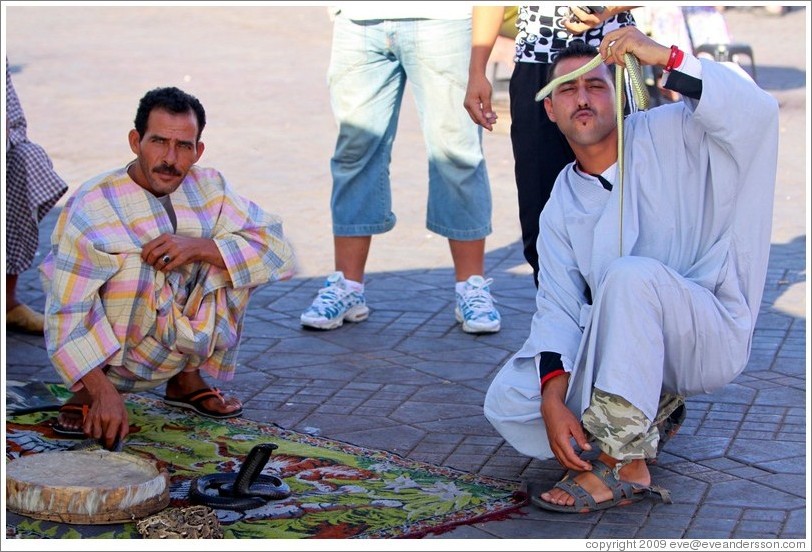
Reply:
x=167, y=169
x=583, y=110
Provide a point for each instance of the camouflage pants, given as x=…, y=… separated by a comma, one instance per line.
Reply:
x=621, y=430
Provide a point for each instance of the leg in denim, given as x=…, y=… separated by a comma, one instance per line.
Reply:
x=435, y=56
x=366, y=87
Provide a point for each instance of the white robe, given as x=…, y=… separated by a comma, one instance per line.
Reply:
x=677, y=311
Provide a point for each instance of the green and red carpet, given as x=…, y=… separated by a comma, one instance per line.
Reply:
x=339, y=490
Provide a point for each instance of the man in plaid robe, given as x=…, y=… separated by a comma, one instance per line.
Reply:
x=149, y=275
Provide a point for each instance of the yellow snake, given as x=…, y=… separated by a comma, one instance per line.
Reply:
x=641, y=101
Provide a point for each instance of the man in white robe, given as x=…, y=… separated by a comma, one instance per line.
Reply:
x=668, y=310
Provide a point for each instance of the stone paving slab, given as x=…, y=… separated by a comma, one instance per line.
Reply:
x=408, y=379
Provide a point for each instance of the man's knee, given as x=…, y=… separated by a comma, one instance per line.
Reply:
x=630, y=276
x=494, y=399
x=515, y=414
x=632, y=271
x=505, y=400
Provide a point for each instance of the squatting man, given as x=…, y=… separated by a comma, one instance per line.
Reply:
x=149, y=276
x=621, y=337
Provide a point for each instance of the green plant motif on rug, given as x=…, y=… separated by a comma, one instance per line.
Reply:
x=339, y=490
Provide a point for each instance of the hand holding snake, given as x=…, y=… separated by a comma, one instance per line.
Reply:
x=628, y=48
x=630, y=40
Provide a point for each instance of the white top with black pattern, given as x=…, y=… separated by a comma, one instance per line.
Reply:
x=542, y=33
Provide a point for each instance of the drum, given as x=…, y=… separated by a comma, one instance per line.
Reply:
x=85, y=487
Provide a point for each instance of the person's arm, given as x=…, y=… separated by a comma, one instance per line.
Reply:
x=106, y=418
x=79, y=335
x=581, y=21
x=730, y=137
x=562, y=425
x=246, y=244
x=561, y=296
x=562, y=291
x=485, y=24
x=560, y=299
x=180, y=250
x=682, y=71
x=252, y=242
x=632, y=40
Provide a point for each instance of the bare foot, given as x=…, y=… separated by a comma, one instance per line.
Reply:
x=186, y=383
x=21, y=318
x=635, y=472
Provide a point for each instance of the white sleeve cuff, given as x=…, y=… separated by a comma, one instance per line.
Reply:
x=690, y=66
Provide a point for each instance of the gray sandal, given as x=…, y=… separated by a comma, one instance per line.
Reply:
x=623, y=492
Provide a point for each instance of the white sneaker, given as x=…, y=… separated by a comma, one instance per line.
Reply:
x=334, y=304
x=475, y=307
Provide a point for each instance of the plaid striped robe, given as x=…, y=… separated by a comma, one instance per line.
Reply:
x=32, y=186
x=105, y=306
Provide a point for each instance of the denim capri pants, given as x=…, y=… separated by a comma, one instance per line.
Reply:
x=370, y=63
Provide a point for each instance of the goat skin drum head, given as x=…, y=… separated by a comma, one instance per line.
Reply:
x=85, y=487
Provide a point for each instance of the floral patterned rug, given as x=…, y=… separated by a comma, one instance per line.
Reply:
x=339, y=490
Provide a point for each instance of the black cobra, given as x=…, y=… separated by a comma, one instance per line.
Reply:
x=244, y=490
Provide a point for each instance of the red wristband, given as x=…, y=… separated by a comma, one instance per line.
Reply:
x=550, y=376
x=675, y=59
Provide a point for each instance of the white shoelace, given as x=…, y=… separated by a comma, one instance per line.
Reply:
x=478, y=299
x=329, y=295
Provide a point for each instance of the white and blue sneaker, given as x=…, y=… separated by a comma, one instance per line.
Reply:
x=335, y=303
x=475, y=306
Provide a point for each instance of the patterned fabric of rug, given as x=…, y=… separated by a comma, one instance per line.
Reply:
x=338, y=490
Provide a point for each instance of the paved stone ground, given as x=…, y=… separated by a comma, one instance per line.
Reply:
x=408, y=379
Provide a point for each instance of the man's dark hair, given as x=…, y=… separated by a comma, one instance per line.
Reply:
x=574, y=49
x=173, y=100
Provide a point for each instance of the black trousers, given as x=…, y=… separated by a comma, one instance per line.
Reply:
x=540, y=151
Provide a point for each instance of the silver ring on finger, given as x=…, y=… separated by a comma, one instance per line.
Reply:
x=166, y=259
